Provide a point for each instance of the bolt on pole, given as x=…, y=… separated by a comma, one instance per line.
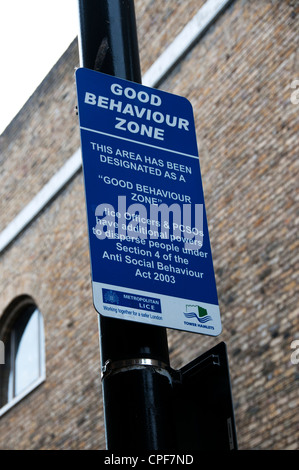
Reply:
x=136, y=376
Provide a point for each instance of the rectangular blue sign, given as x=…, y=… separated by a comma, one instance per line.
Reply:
x=147, y=224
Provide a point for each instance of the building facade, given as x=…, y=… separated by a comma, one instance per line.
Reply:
x=239, y=69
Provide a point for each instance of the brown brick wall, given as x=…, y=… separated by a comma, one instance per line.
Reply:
x=238, y=79
x=158, y=23
x=51, y=262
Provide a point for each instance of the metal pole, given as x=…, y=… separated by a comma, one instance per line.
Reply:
x=136, y=379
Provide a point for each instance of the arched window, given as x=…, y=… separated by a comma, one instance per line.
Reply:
x=22, y=332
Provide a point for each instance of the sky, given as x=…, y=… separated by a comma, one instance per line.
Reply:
x=33, y=36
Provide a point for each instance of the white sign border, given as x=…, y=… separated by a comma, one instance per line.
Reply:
x=169, y=306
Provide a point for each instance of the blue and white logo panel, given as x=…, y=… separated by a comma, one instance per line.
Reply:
x=135, y=305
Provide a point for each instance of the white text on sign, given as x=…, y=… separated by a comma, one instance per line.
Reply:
x=135, y=111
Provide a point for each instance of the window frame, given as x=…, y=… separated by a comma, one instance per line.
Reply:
x=7, y=328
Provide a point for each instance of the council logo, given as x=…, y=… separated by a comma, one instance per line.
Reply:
x=200, y=313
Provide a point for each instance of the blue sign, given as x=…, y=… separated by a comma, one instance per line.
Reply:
x=150, y=253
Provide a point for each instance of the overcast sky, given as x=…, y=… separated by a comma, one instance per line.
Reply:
x=33, y=36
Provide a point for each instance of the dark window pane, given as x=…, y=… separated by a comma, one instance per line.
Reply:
x=4, y=374
x=23, y=340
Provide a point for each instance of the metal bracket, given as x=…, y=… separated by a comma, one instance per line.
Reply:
x=130, y=364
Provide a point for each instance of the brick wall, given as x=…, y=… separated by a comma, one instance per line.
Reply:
x=238, y=79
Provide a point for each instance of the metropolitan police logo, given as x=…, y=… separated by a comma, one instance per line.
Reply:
x=111, y=297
